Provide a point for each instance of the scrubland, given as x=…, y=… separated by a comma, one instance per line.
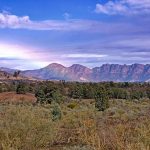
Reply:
x=125, y=125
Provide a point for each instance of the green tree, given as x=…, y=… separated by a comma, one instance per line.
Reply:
x=87, y=91
x=21, y=88
x=57, y=96
x=101, y=99
x=119, y=93
x=48, y=94
x=77, y=92
x=137, y=95
x=40, y=95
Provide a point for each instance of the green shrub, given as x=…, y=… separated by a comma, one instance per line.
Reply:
x=48, y=95
x=21, y=88
x=101, y=99
x=40, y=95
x=56, y=112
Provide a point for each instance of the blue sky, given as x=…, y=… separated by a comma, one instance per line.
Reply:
x=35, y=33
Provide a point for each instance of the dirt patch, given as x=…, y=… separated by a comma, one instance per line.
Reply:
x=13, y=97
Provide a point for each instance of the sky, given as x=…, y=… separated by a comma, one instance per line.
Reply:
x=35, y=33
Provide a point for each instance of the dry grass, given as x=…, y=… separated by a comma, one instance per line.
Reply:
x=124, y=126
x=26, y=127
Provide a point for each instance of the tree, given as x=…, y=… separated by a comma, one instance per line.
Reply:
x=101, y=99
x=57, y=96
x=148, y=93
x=137, y=95
x=16, y=74
x=48, y=94
x=21, y=88
x=40, y=95
x=77, y=92
x=119, y=93
x=87, y=91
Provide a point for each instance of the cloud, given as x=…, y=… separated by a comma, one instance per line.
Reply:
x=111, y=8
x=80, y=25
x=66, y=15
x=84, y=55
x=14, y=55
x=121, y=49
x=15, y=22
x=110, y=41
x=137, y=43
x=124, y=7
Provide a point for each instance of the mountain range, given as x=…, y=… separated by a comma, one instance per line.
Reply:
x=77, y=72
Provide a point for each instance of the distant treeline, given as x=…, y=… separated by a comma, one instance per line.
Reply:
x=78, y=90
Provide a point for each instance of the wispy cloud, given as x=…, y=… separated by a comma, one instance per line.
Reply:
x=82, y=55
x=66, y=15
x=87, y=26
x=124, y=7
x=15, y=22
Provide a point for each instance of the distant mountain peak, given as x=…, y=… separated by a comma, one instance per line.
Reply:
x=55, y=65
x=77, y=65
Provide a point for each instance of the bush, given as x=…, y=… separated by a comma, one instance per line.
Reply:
x=56, y=112
x=101, y=99
x=21, y=88
x=40, y=95
x=148, y=93
x=48, y=95
x=57, y=97
x=76, y=92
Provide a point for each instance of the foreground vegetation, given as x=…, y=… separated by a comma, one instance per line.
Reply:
x=74, y=116
x=125, y=125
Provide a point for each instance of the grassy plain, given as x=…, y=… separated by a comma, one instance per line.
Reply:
x=29, y=126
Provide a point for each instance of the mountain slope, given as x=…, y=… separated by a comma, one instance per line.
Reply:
x=4, y=75
x=107, y=72
x=8, y=74
x=8, y=70
x=115, y=72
